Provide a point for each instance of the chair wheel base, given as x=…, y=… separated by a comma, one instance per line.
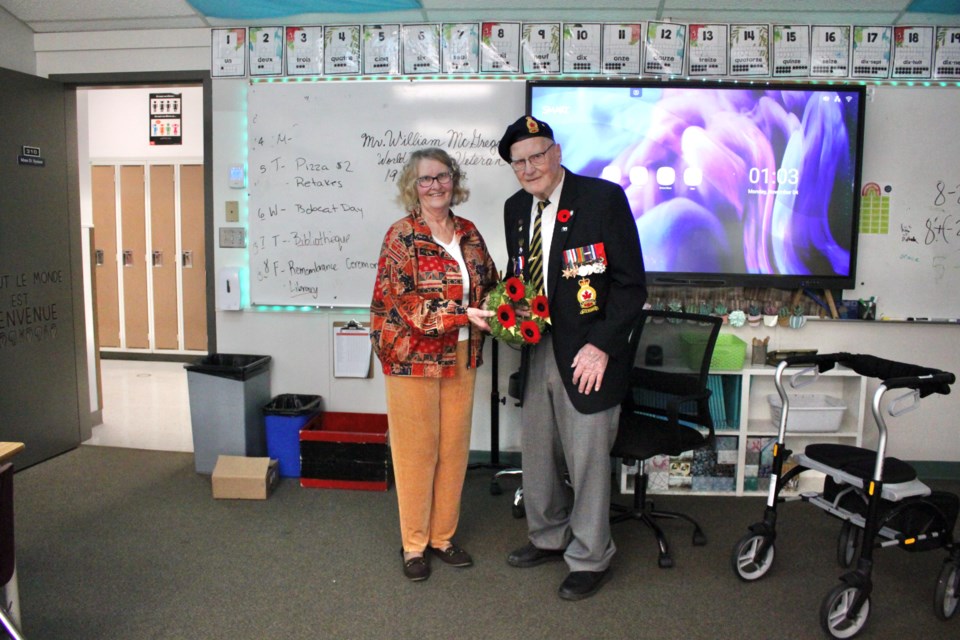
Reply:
x=495, y=488
x=665, y=562
x=699, y=538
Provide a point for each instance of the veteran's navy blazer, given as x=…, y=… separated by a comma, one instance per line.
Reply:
x=600, y=223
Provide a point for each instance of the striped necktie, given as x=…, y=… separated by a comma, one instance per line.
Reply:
x=536, y=250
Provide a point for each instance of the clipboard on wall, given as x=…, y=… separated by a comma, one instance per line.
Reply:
x=352, y=351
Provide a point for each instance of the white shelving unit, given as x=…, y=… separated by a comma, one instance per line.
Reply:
x=755, y=422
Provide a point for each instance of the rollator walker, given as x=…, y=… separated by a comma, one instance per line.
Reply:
x=879, y=499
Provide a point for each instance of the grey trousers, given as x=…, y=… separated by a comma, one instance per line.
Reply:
x=557, y=439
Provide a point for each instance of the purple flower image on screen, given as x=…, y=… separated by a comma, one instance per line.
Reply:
x=726, y=180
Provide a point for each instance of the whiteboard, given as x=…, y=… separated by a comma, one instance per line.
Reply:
x=911, y=165
x=323, y=160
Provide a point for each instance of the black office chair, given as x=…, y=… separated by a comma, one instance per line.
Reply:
x=666, y=411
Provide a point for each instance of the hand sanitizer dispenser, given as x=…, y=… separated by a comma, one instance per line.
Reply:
x=228, y=289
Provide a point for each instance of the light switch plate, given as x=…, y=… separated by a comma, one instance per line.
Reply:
x=233, y=237
x=232, y=211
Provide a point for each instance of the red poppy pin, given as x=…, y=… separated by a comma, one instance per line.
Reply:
x=564, y=215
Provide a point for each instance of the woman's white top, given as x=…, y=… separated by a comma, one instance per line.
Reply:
x=454, y=250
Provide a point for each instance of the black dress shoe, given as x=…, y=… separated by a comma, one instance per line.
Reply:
x=582, y=584
x=415, y=569
x=530, y=556
x=453, y=556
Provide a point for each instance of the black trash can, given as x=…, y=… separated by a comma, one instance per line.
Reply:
x=284, y=416
x=227, y=393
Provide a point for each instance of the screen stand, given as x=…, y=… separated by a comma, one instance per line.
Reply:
x=827, y=298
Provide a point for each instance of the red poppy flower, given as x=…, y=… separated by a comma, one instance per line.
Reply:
x=539, y=307
x=530, y=331
x=515, y=289
x=506, y=316
x=563, y=215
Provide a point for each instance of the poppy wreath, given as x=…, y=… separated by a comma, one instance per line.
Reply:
x=509, y=297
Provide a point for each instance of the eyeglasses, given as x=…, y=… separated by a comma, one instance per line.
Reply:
x=441, y=178
x=537, y=159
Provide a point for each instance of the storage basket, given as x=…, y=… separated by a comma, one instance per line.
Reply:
x=728, y=354
x=808, y=412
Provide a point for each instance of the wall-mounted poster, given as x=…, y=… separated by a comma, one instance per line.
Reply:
x=541, y=47
x=304, y=51
x=708, y=50
x=421, y=48
x=165, y=118
x=461, y=47
x=664, y=47
x=500, y=47
x=228, y=53
x=266, y=51
x=581, y=47
x=791, y=50
x=749, y=49
x=381, y=49
x=341, y=50
x=622, y=47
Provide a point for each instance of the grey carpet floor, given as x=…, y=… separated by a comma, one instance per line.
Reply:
x=128, y=544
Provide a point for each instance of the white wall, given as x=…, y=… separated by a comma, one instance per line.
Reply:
x=16, y=45
x=300, y=343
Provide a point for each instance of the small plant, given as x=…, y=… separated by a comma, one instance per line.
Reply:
x=783, y=316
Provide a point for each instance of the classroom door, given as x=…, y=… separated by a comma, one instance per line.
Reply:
x=41, y=273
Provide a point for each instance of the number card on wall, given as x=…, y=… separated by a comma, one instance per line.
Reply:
x=304, y=51
x=708, y=50
x=500, y=47
x=947, y=64
x=830, y=51
x=791, y=50
x=266, y=51
x=381, y=49
x=541, y=47
x=461, y=47
x=750, y=50
x=871, y=52
x=664, y=47
x=421, y=48
x=581, y=47
x=228, y=53
x=622, y=47
x=341, y=50
x=912, y=52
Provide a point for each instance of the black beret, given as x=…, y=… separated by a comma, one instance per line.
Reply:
x=523, y=128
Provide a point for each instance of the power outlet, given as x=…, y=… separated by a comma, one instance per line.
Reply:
x=232, y=211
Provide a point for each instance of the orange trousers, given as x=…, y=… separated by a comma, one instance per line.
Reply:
x=429, y=421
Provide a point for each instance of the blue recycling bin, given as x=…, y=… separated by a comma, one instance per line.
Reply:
x=227, y=393
x=284, y=416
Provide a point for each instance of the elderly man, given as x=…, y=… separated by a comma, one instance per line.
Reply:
x=575, y=238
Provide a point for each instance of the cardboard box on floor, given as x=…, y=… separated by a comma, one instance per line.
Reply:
x=244, y=478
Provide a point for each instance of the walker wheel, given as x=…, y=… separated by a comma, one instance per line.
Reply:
x=836, y=615
x=746, y=562
x=948, y=591
x=847, y=543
